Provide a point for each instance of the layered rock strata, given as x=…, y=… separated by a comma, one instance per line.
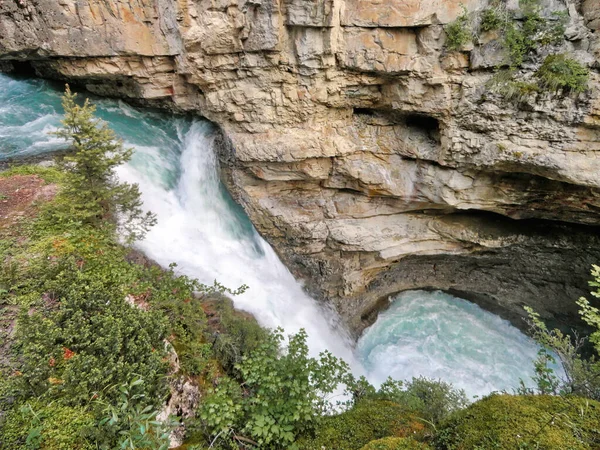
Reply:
x=372, y=158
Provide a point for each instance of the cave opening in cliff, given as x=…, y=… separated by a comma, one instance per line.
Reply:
x=23, y=69
x=425, y=124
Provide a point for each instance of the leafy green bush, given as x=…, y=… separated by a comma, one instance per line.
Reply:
x=429, y=400
x=33, y=425
x=524, y=422
x=582, y=375
x=559, y=72
x=285, y=392
x=131, y=424
x=92, y=338
x=491, y=19
x=394, y=443
x=459, y=32
x=366, y=421
x=239, y=336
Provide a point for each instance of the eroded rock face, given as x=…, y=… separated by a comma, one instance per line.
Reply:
x=373, y=159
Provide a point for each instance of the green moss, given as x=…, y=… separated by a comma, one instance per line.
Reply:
x=559, y=72
x=393, y=443
x=365, y=422
x=49, y=427
x=48, y=174
x=523, y=422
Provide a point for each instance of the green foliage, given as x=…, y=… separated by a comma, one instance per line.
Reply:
x=522, y=39
x=430, y=400
x=366, y=421
x=240, y=336
x=582, y=375
x=91, y=339
x=394, y=443
x=459, y=33
x=561, y=73
x=505, y=84
x=285, y=392
x=174, y=297
x=492, y=19
x=590, y=314
x=132, y=425
x=48, y=174
x=33, y=425
x=90, y=320
x=533, y=32
x=91, y=192
x=523, y=422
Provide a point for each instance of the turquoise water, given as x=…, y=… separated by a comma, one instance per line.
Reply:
x=210, y=238
x=448, y=338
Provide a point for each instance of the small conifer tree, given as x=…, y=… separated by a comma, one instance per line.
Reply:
x=92, y=193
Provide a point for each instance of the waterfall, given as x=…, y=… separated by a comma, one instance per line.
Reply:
x=210, y=238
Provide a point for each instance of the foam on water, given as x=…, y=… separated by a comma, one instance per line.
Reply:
x=210, y=238
x=440, y=336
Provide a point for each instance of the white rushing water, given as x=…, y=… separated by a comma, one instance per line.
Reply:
x=200, y=228
x=210, y=238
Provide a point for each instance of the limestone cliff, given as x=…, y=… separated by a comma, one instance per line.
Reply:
x=370, y=156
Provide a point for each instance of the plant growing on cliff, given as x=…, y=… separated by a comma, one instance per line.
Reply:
x=459, y=33
x=91, y=193
x=582, y=375
x=494, y=17
x=561, y=73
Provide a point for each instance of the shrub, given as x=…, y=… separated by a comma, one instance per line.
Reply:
x=459, y=32
x=524, y=422
x=132, y=425
x=239, y=336
x=393, y=443
x=366, y=421
x=559, y=72
x=46, y=427
x=582, y=375
x=491, y=19
x=429, y=400
x=92, y=338
x=284, y=394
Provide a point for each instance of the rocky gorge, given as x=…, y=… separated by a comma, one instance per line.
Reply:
x=373, y=158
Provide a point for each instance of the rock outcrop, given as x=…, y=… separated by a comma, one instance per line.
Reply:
x=370, y=156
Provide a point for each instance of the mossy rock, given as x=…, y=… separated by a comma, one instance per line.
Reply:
x=48, y=427
x=395, y=443
x=523, y=422
x=367, y=421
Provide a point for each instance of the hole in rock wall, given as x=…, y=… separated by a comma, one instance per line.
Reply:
x=425, y=124
x=415, y=124
x=23, y=69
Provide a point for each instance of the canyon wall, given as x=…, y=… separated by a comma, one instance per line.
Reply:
x=374, y=159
